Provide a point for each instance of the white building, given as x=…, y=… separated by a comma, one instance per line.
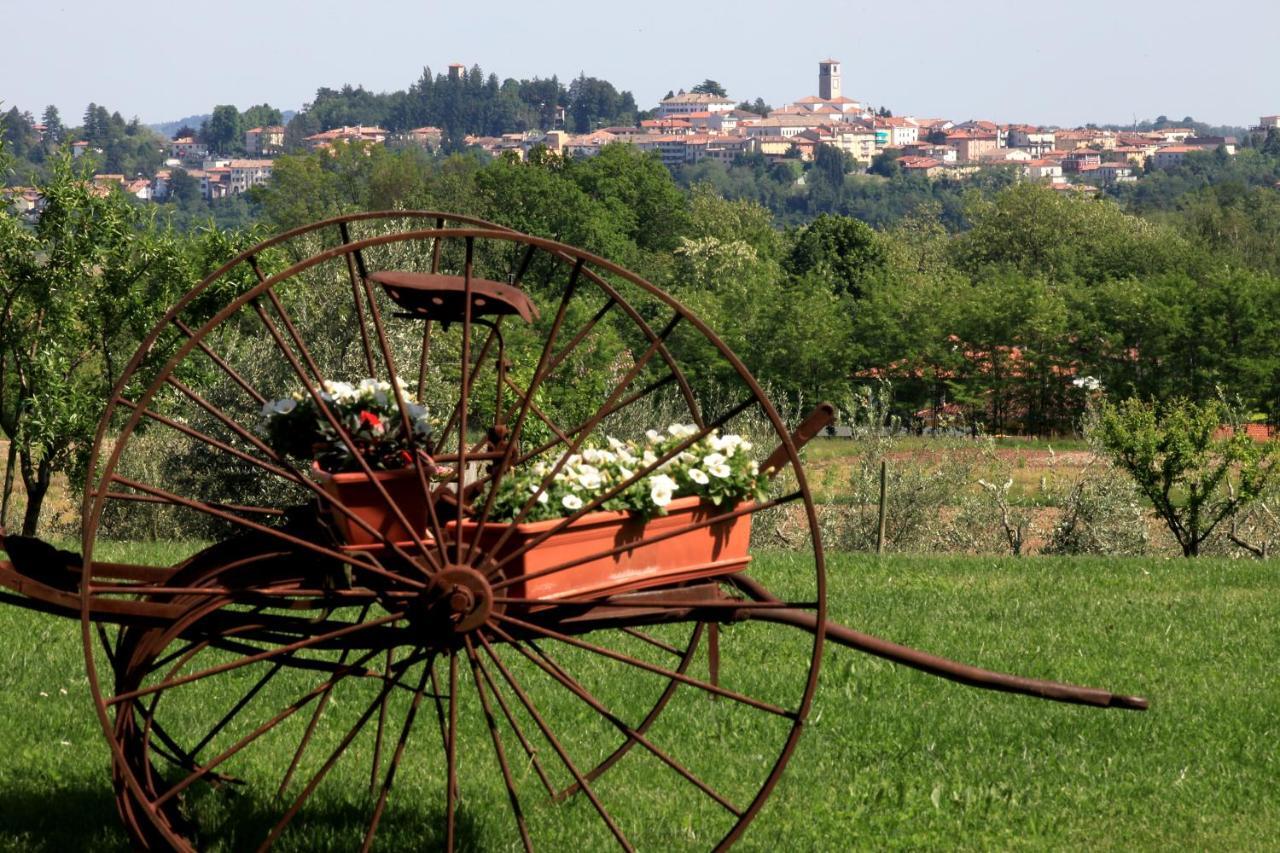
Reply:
x=685, y=103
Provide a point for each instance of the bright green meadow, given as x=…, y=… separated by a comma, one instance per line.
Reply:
x=890, y=759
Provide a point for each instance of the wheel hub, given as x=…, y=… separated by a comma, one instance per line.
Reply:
x=458, y=601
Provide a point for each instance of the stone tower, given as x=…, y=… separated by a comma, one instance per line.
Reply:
x=829, y=79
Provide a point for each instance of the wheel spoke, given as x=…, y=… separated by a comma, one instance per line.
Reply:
x=582, y=433
x=464, y=403
x=525, y=743
x=581, y=780
x=356, y=277
x=497, y=748
x=396, y=756
x=527, y=404
x=289, y=711
x=663, y=671
x=261, y=656
x=548, y=665
x=451, y=754
x=210, y=509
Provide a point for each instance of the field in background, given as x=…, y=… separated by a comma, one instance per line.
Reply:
x=892, y=758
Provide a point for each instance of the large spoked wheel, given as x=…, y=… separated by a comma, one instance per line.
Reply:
x=298, y=690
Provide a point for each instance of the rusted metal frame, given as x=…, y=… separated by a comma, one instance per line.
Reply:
x=685, y=390
x=396, y=757
x=497, y=747
x=953, y=670
x=536, y=409
x=240, y=593
x=513, y=440
x=607, y=411
x=451, y=745
x=548, y=665
x=581, y=334
x=525, y=743
x=464, y=404
x=578, y=777
x=93, y=503
x=235, y=709
x=424, y=356
x=663, y=671
x=274, y=298
x=424, y=481
x=345, y=436
x=315, y=716
x=319, y=776
x=213, y=442
x=686, y=658
x=345, y=234
x=208, y=509
x=221, y=362
x=149, y=499
x=711, y=520
x=435, y=698
x=261, y=656
x=594, y=503
x=376, y=764
x=452, y=420
x=582, y=433
x=37, y=596
x=653, y=641
x=296, y=477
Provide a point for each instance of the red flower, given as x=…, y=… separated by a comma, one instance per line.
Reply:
x=372, y=421
x=406, y=458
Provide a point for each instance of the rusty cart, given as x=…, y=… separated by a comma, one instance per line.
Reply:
x=295, y=652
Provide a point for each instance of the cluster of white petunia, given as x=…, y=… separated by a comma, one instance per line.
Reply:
x=643, y=476
x=368, y=410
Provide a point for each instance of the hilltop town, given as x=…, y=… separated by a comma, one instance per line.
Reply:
x=686, y=128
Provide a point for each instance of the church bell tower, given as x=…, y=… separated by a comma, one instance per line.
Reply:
x=829, y=79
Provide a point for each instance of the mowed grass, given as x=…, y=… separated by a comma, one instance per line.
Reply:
x=890, y=759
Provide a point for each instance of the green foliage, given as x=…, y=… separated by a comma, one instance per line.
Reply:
x=78, y=292
x=709, y=87
x=841, y=251
x=1195, y=478
x=224, y=131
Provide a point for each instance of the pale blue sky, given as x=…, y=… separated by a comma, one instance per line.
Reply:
x=1039, y=62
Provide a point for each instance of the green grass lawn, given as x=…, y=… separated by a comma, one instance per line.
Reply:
x=890, y=758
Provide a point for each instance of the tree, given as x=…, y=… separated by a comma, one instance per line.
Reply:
x=840, y=250
x=186, y=132
x=1181, y=461
x=260, y=115
x=183, y=187
x=709, y=87
x=223, y=132
x=54, y=131
x=758, y=106
x=77, y=294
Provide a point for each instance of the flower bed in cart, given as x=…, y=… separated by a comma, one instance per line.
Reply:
x=687, y=517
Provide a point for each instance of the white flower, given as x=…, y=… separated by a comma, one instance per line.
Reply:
x=713, y=460
x=625, y=473
x=342, y=392
x=661, y=489
x=589, y=477
x=279, y=407
x=542, y=496
x=699, y=476
x=755, y=468
x=571, y=502
x=653, y=435
x=616, y=445
x=682, y=430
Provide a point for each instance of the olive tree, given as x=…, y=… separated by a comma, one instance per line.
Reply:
x=1196, y=474
x=79, y=288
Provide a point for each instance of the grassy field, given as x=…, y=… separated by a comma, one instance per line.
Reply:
x=890, y=759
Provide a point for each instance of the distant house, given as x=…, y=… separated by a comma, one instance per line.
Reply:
x=1033, y=140
x=1116, y=172
x=1043, y=170
x=1081, y=160
x=243, y=174
x=186, y=149
x=1172, y=155
x=970, y=145
x=78, y=149
x=685, y=103
x=426, y=137
x=927, y=166
x=261, y=141
x=358, y=133
x=1269, y=123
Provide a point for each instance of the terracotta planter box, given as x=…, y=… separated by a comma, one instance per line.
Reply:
x=717, y=549
x=357, y=492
